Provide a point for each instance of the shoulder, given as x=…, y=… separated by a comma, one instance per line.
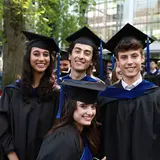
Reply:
x=61, y=144
x=63, y=132
x=12, y=87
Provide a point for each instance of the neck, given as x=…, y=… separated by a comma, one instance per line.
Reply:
x=36, y=79
x=79, y=127
x=77, y=75
x=131, y=80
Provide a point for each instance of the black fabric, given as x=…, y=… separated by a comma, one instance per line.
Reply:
x=28, y=120
x=127, y=31
x=63, y=144
x=153, y=78
x=41, y=41
x=131, y=127
x=85, y=36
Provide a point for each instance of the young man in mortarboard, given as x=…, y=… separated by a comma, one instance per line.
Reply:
x=83, y=52
x=130, y=110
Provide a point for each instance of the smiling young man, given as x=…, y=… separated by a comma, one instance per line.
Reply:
x=83, y=53
x=130, y=109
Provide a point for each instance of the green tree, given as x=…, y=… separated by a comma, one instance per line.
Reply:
x=55, y=18
x=13, y=41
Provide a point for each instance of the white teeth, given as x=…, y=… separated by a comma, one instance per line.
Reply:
x=130, y=69
x=40, y=65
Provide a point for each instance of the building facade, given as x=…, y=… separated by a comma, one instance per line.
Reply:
x=108, y=16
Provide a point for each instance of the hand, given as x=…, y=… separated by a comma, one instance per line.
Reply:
x=12, y=156
x=104, y=158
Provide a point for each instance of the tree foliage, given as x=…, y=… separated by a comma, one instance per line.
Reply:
x=55, y=18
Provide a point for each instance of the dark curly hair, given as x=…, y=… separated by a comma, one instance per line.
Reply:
x=47, y=83
x=90, y=132
x=85, y=40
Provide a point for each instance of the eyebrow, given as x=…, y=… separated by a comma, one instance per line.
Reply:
x=39, y=51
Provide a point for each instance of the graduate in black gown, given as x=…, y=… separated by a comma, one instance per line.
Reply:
x=130, y=109
x=29, y=106
x=75, y=135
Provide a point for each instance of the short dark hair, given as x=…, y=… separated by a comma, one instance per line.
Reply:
x=128, y=43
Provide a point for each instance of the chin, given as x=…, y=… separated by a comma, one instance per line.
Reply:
x=87, y=124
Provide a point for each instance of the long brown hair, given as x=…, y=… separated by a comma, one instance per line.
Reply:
x=90, y=132
x=47, y=83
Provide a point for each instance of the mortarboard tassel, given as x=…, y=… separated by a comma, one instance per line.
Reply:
x=148, y=56
x=61, y=100
x=58, y=67
x=113, y=62
x=101, y=61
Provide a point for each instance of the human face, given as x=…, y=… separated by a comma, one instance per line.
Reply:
x=152, y=65
x=64, y=65
x=118, y=73
x=81, y=57
x=129, y=63
x=39, y=59
x=84, y=114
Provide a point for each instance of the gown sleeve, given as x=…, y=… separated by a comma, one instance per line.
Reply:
x=58, y=146
x=5, y=134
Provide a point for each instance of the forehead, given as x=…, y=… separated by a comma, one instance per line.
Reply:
x=80, y=102
x=129, y=52
x=38, y=49
x=83, y=46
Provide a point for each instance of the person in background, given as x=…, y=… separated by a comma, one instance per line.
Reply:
x=130, y=109
x=154, y=75
x=64, y=64
x=116, y=74
x=28, y=107
x=153, y=67
x=75, y=135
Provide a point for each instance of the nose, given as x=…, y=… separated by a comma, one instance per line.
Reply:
x=129, y=60
x=90, y=111
x=41, y=57
x=81, y=55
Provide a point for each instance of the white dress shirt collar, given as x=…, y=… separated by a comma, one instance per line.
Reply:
x=133, y=85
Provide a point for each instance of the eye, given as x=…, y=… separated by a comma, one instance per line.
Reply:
x=94, y=106
x=87, y=53
x=134, y=55
x=36, y=53
x=123, y=57
x=46, y=54
x=83, y=106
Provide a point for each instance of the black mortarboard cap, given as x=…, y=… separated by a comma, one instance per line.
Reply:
x=127, y=31
x=83, y=91
x=41, y=41
x=85, y=33
x=64, y=55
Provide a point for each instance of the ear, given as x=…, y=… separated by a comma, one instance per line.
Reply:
x=69, y=57
x=117, y=62
x=91, y=64
x=143, y=58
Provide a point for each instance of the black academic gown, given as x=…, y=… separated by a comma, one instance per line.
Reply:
x=27, y=122
x=131, y=127
x=63, y=144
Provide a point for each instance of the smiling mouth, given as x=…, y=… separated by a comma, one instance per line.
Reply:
x=40, y=65
x=87, y=118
